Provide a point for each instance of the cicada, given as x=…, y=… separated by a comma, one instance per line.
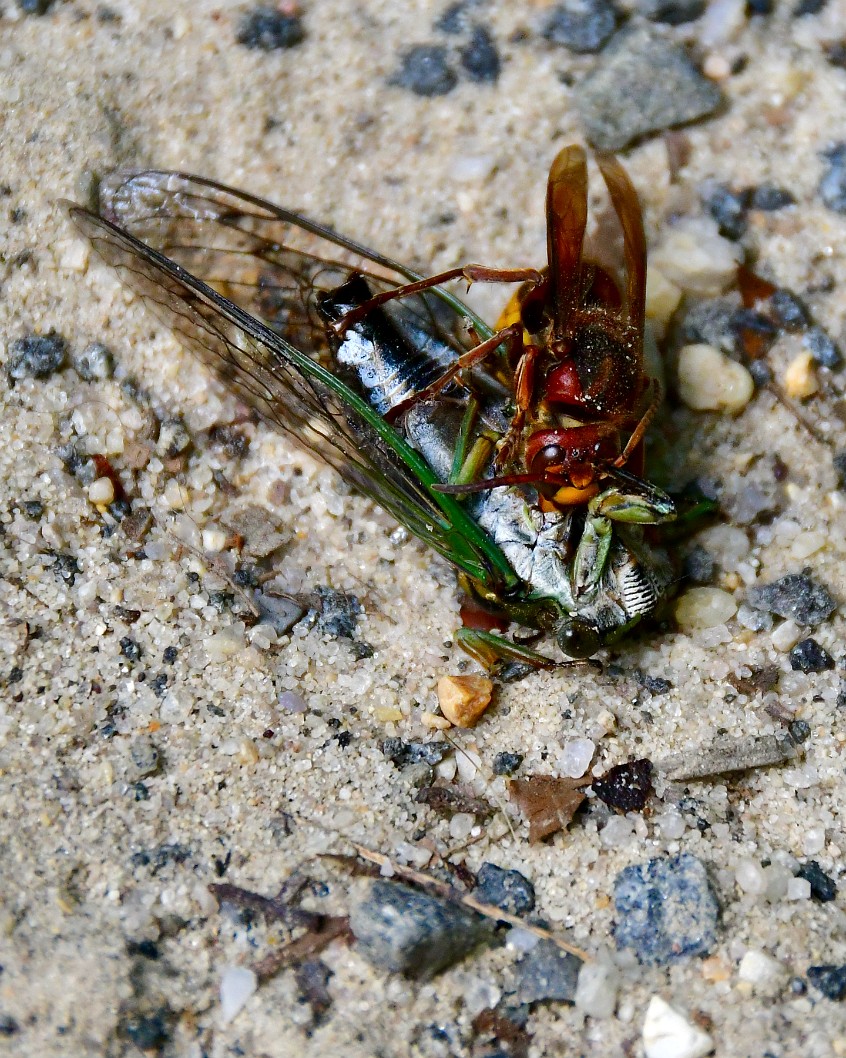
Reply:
x=515, y=451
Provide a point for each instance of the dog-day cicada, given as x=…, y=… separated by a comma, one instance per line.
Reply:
x=514, y=451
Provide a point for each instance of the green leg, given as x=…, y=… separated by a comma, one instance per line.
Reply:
x=495, y=652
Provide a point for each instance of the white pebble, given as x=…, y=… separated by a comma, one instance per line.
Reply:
x=460, y=826
x=521, y=940
x=290, y=702
x=807, y=544
x=214, y=538
x=801, y=778
x=596, y=990
x=697, y=258
x=617, y=831
x=750, y=877
x=237, y=984
x=786, y=636
x=101, y=491
x=710, y=381
x=798, y=889
x=813, y=841
x=778, y=878
x=728, y=544
x=176, y=707
x=467, y=763
x=704, y=608
x=671, y=824
x=224, y=644
x=764, y=973
x=662, y=296
x=666, y=1034
x=575, y=757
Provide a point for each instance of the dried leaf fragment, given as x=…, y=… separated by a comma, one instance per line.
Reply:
x=626, y=787
x=463, y=699
x=547, y=802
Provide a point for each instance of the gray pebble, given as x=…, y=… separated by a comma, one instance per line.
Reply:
x=509, y=890
x=833, y=183
x=583, y=26
x=425, y=71
x=546, y=972
x=280, y=611
x=268, y=29
x=643, y=84
x=95, y=363
x=796, y=596
x=145, y=757
x=673, y=12
x=36, y=356
x=173, y=438
x=339, y=612
x=666, y=909
x=822, y=348
x=405, y=931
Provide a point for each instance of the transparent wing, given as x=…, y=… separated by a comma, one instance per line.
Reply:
x=271, y=262
x=298, y=396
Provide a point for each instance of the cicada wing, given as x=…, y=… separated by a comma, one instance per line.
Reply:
x=270, y=261
x=298, y=396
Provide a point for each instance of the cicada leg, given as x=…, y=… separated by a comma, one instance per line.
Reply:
x=493, y=652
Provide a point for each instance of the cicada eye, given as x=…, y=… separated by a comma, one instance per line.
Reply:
x=579, y=640
x=550, y=456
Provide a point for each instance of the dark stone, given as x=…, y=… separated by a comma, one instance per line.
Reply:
x=145, y=756
x=15, y=675
x=799, y=731
x=833, y=183
x=666, y=909
x=583, y=26
x=147, y=949
x=95, y=363
x=547, y=973
x=673, y=12
x=35, y=7
x=405, y=931
x=509, y=890
x=130, y=649
x=8, y=1025
x=173, y=439
x=280, y=611
x=839, y=461
x=830, y=980
x=625, y=787
x=66, y=568
x=425, y=71
x=809, y=656
x=835, y=53
x=808, y=7
x=169, y=655
x=480, y=58
x=755, y=332
x=36, y=356
x=728, y=208
x=789, y=311
x=823, y=888
x=710, y=321
x=361, y=650
x=769, y=198
x=822, y=348
x=246, y=577
x=339, y=613
x=796, y=596
x=643, y=84
x=120, y=509
x=402, y=754
x=149, y=1032
x=32, y=509
x=141, y=791
x=657, y=685
x=761, y=372
x=455, y=19
x=506, y=763
x=759, y=7
x=268, y=29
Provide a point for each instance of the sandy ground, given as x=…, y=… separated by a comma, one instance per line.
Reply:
x=88, y=870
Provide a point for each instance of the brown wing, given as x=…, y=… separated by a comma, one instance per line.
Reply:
x=627, y=207
x=566, y=220
x=298, y=396
x=271, y=262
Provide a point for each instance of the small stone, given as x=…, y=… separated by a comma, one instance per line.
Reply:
x=425, y=71
x=809, y=656
x=145, y=757
x=547, y=973
x=666, y=909
x=149, y=1032
x=672, y=12
x=596, y=990
x=463, y=699
x=788, y=310
x=704, y=607
x=237, y=984
x=823, y=888
x=699, y=566
x=454, y=20
x=269, y=29
x=666, y=1034
x=662, y=296
x=833, y=183
x=709, y=322
x=769, y=198
x=798, y=889
x=101, y=492
x=830, y=980
x=728, y=208
x=583, y=26
x=822, y=348
x=130, y=649
x=754, y=620
x=36, y=356
x=95, y=363
x=765, y=974
x=480, y=58
x=797, y=596
x=643, y=84
x=290, y=702
x=808, y=7
x=800, y=378
x=509, y=890
x=506, y=763
x=750, y=877
x=786, y=636
x=35, y=7
x=281, y=612
x=405, y=931
x=339, y=613
x=625, y=787
x=402, y=754
x=575, y=757
x=709, y=381
x=173, y=439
